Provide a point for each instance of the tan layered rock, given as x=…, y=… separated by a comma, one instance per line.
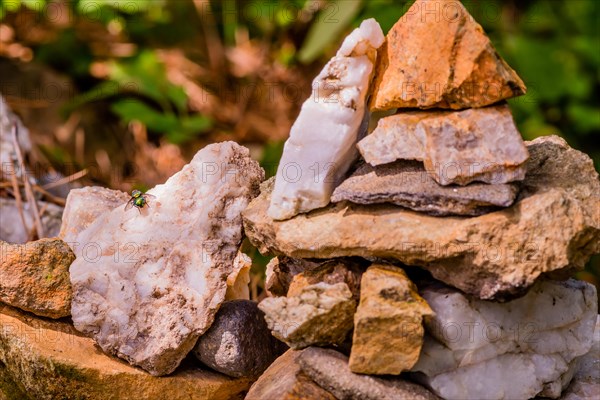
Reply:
x=457, y=147
x=35, y=277
x=321, y=314
x=554, y=226
x=284, y=380
x=50, y=360
x=436, y=55
x=388, y=324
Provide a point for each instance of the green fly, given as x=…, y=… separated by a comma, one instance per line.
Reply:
x=138, y=200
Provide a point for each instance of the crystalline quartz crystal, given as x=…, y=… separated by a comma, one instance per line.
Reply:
x=322, y=141
x=147, y=284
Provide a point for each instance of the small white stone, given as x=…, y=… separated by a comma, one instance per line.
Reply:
x=322, y=141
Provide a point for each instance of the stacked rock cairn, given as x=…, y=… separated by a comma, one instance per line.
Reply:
x=423, y=248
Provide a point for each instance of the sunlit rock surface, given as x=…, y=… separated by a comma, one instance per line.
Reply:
x=48, y=360
x=84, y=206
x=34, y=276
x=481, y=144
x=554, y=226
x=438, y=56
x=514, y=350
x=322, y=141
x=321, y=314
x=147, y=284
x=388, y=329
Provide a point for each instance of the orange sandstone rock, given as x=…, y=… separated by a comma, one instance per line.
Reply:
x=436, y=55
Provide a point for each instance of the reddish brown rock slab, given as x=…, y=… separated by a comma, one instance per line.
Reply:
x=51, y=360
x=407, y=184
x=456, y=147
x=348, y=271
x=553, y=227
x=284, y=380
x=436, y=55
x=34, y=277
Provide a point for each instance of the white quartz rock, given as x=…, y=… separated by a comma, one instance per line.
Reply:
x=322, y=143
x=586, y=382
x=515, y=350
x=147, y=284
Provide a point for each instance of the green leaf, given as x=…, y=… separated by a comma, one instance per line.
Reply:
x=585, y=118
x=12, y=5
x=330, y=23
x=136, y=110
x=196, y=124
x=178, y=96
x=35, y=5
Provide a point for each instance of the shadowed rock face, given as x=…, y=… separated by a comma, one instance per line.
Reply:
x=456, y=147
x=151, y=282
x=407, y=184
x=514, y=350
x=436, y=55
x=239, y=343
x=554, y=226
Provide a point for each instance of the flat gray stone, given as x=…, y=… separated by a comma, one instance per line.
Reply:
x=239, y=343
x=407, y=184
x=329, y=369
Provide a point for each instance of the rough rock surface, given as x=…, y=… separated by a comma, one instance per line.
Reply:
x=280, y=272
x=407, y=184
x=321, y=314
x=84, y=206
x=481, y=144
x=554, y=226
x=459, y=69
x=514, y=350
x=586, y=382
x=284, y=380
x=388, y=324
x=35, y=277
x=12, y=229
x=348, y=271
x=329, y=369
x=239, y=342
x=47, y=360
x=149, y=298
x=322, y=141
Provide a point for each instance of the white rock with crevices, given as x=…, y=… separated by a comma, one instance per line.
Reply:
x=322, y=141
x=515, y=350
x=147, y=284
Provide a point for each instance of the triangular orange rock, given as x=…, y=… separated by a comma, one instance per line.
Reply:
x=436, y=55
